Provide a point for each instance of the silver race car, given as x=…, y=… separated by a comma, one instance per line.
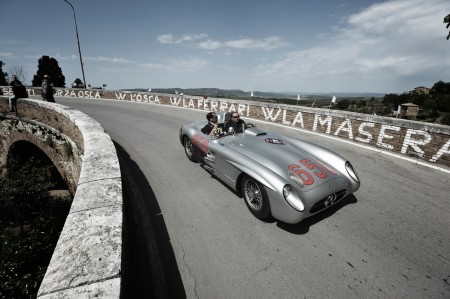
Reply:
x=284, y=177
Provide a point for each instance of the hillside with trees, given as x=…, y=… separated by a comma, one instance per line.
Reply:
x=434, y=106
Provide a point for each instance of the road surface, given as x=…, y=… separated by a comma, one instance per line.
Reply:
x=390, y=240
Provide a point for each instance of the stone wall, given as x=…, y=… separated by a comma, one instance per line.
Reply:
x=424, y=141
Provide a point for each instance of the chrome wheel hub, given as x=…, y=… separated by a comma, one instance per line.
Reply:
x=253, y=195
x=188, y=146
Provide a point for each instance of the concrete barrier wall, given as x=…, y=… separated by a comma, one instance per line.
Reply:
x=87, y=259
x=424, y=141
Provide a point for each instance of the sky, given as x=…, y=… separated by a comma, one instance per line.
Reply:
x=296, y=46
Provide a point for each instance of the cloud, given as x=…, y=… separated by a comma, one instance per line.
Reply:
x=27, y=56
x=210, y=45
x=268, y=43
x=392, y=39
x=170, y=39
x=6, y=54
x=177, y=65
x=108, y=59
x=165, y=39
x=57, y=56
x=69, y=57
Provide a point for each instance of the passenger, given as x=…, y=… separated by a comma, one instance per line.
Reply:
x=212, y=127
x=236, y=123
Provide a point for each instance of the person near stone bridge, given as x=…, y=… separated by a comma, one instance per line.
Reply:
x=13, y=99
x=47, y=90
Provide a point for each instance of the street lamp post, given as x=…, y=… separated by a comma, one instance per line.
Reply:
x=78, y=40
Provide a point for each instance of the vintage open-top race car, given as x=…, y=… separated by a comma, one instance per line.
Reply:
x=280, y=176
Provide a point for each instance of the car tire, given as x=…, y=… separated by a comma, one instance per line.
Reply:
x=256, y=198
x=189, y=149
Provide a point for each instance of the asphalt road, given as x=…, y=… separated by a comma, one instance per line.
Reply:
x=390, y=240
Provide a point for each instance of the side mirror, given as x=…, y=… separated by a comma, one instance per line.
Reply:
x=231, y=131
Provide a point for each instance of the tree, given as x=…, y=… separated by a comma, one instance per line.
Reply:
x=3, y=75
x=447, y=20
x=362, y=103
x=418, y=99
x=19, y=72
x=441, y=88
x=343, y=104
x=445, y=120
x=78, y=83
x=49, y=66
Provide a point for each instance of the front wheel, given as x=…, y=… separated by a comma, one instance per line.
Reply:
x=189, y=149
x=256, y=198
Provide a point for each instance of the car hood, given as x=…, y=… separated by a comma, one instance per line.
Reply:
x=275, y=152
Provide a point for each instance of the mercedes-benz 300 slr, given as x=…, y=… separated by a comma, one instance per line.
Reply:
x=278, y=176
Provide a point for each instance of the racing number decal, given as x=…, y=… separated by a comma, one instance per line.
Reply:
x=306, y=175
x=321, y=174
x=330, y=170
x=201, y=143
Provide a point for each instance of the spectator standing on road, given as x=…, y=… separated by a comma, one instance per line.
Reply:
x=236, y=123
x=47, y=90
x=13, y=100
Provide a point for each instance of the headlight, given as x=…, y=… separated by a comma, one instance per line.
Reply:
x=351, y=172
x=287, y=191
x=292, y=198
x=296, y=179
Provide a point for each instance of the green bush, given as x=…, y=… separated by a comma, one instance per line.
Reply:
x=445, y=119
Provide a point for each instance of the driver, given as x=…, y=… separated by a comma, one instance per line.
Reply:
x=236, y=123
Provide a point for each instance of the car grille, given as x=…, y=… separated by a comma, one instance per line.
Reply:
x=328, y=201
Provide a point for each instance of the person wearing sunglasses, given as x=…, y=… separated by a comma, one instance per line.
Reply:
x=236, y=123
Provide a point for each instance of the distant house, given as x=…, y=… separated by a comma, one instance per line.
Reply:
x=408, y=110
x=420, y=90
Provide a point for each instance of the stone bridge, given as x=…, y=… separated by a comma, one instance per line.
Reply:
x=87, y=259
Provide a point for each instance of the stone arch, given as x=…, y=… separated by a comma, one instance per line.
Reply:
x=51, y=153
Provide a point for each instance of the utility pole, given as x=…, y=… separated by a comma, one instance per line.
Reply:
x=78, y=40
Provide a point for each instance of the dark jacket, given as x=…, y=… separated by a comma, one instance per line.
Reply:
x=207, y=128
x=238, y=126
x=15, y=83
x=47, y=91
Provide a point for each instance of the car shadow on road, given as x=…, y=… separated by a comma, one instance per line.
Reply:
x=303, y=227
x=149, y=267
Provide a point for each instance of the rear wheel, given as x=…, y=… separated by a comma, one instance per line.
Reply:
x=256, y=198
x=189, y=149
